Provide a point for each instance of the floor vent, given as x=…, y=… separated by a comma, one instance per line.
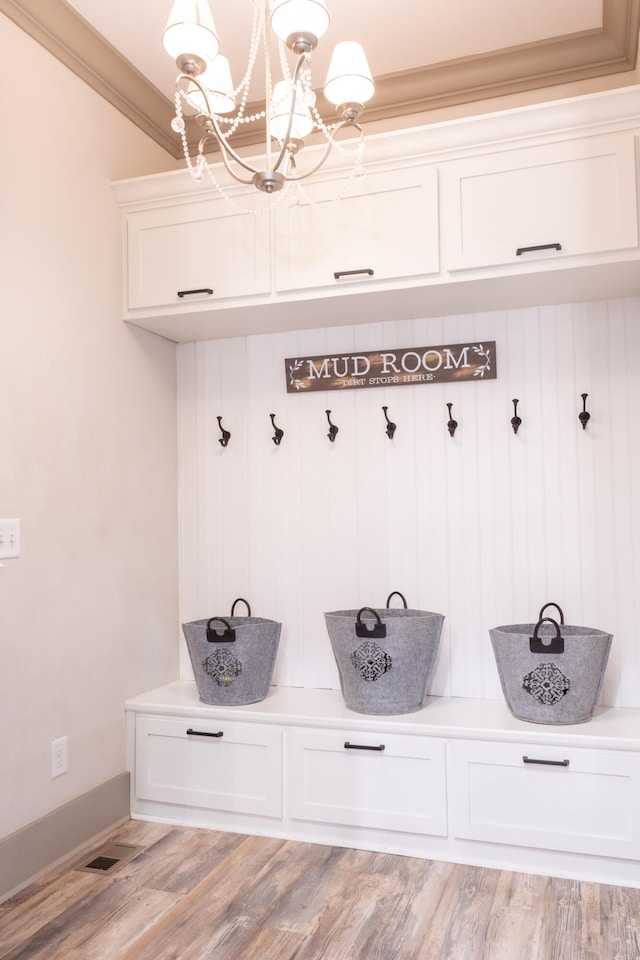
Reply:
x=102, y=863
x=110, y=857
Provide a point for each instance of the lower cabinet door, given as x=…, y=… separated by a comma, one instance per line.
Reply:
x=572, y=799
x=211, y=764
x=368, y=780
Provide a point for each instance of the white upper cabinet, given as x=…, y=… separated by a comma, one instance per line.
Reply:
x=385, y=228
x=194, y=253
x=450, y=218
x=541, y=203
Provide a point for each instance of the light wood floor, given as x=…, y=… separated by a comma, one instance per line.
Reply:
x=201, y=895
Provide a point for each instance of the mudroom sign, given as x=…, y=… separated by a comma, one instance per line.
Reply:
x=391, y=368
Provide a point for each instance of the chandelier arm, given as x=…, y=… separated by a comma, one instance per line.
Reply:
x=210, y=118
x=229, y=169
x=287, y=137
x=227, y=151
x=328, y=149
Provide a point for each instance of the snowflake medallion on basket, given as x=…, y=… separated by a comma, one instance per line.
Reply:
x=222, y=667
x=546, y=684
x=371, y=661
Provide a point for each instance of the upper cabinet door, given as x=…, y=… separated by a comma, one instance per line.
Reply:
x=545, y=202
x=204, y=246
x=385, y=228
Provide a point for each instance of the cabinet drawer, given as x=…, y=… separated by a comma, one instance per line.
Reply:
x=221, y=765
x=574, y=799
x=579, y=194
x=400, y=787
x=206, y=246
x=387, y=224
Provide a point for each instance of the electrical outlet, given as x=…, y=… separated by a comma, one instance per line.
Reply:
x=58, y=757
x=9, y=539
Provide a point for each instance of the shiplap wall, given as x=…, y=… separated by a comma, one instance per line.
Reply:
x=484, y=527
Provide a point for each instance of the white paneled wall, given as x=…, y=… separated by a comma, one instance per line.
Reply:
x=484, y=527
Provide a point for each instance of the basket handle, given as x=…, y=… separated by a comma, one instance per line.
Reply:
x=396, y=593
x=541, y=614
x=241, y=600
x=555, y=646
x=228, y=635
x=376, y=632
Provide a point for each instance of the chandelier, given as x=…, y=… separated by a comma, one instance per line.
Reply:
x=204, y=84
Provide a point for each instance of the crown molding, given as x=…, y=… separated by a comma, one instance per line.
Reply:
x=533, y=66
x=611, y=50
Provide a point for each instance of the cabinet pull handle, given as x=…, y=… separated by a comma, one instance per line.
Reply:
x=187, y=293
x=362, y=746
x=542, y=246
x=548, y=763
x=203, y=733
x=352, y=273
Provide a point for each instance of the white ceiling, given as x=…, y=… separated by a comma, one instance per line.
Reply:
x=424, y=54
x=397, y=36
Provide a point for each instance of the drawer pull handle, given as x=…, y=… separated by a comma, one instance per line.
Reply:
x=352, y=273
x=187, y=293
x=362, y=746
x=203, y=733
x=548, y=763
x=541, y=246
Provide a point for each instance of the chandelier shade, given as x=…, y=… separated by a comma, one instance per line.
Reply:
x=190, y=30
x=218, y=87
x=349, y=79
x=292, y=18
x=290, y=114
x=301, y=120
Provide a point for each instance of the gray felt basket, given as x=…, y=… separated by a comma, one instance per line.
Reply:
x=233, y=657
x=551, y=672
x=385, y=657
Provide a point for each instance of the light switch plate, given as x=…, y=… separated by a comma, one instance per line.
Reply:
x=9, y=539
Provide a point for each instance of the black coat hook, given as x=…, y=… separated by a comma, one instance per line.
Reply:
x=333, y=430
x=515, y=419
x=226, y=436
x=584, y=416
x=279, y=434
x=391, y=427
x=451, y=424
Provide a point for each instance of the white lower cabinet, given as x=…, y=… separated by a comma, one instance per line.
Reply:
x=556, y=798
x=210, y=764
x=461, y=780
x=384, y=781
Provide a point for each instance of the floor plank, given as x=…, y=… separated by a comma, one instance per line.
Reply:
x=203, y=895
